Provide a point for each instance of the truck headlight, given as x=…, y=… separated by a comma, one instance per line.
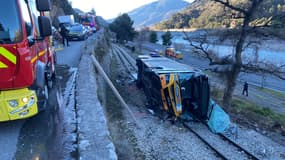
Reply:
x=13, y=103
x=25, y=100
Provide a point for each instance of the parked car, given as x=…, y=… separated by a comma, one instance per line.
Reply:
x=77, y=31
x=88, y=30
x=178, y=55
x=154, y=54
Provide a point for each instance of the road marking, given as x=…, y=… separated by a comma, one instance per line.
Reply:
x=59, y=49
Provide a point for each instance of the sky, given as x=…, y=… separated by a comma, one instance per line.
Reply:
x=110, y=8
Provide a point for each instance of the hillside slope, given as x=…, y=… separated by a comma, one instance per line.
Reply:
x=208, y=14
x=155, y=12
x=59, y=8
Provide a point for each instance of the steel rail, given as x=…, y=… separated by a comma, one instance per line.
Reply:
x=245, y=151
x=253, y=157
x=127, y=58
x=122, y=58
x=207, y=143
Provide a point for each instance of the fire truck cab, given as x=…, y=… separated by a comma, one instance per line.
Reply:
x=26, y=58
x=87, y=19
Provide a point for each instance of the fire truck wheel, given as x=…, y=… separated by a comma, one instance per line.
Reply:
x=52, y=80
x=43, y=95
x=50, y=84
x=40, y=74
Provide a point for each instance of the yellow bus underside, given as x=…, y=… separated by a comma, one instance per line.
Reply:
x=17, y=104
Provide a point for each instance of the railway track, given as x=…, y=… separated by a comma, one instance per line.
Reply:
x=127, y=61
x=125, y=57
x=219, y=139
x=131, y=61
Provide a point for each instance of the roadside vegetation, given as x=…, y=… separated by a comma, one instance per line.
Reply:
x=102, y=46
x=153, y=37
x=166, y=38
x=272, y=92
x=122, y=26
x=249, y=114
x=257, y=117
x=211, y=15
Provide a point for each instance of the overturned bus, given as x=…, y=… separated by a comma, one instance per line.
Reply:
x=174, y=87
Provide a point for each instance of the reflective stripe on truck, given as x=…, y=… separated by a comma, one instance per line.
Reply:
x=8, y=56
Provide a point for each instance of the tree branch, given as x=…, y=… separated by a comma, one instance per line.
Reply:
x=261, y=67
x=203, y=46
x=252, y=43
x=227, y=4
x=200, y=46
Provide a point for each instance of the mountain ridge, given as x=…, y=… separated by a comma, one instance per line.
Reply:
x=208, y=14
x=155, y=12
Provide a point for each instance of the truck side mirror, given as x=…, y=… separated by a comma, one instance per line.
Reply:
x=44, y=26
x=43, y=5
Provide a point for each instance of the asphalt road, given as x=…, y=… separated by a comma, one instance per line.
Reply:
x=70, y=55
x=38, y=136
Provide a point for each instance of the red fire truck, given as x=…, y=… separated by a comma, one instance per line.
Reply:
x=87, y=19
x=26, y=58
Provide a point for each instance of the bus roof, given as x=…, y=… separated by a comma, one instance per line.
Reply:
x=165, y=65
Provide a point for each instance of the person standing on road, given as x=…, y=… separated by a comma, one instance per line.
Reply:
x=245, y=88
x=63, y=33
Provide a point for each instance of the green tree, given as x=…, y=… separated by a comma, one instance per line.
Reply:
x=231, y=66
x=93, y=11
x=153, y=37
x=166, y=39
x=123, y=27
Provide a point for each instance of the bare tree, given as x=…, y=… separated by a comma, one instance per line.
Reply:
x=231, y=65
